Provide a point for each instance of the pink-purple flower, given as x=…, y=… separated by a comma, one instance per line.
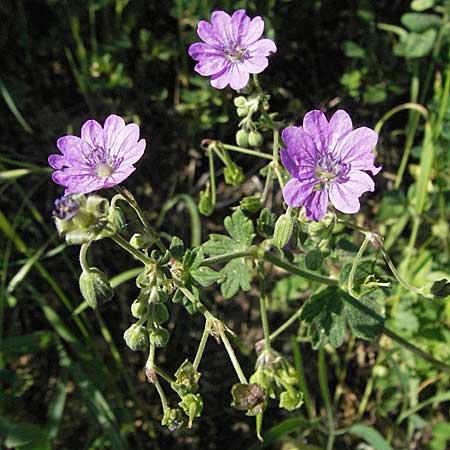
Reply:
x=101, y=158
x=327, y=161
x=231, y=49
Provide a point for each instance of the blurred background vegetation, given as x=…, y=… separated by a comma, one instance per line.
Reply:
x=67, y=379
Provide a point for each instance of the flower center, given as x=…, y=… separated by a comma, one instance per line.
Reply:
x=102, y=163
x=234, y=53
x=328, y=168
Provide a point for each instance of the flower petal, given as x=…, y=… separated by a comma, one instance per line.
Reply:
x=239, y=25
x=92, y=133
x=345, y=196
x=211, y=66
x=300, y=146
x=221, y=25
x=56, y=161
x=295, y=192
x=206, y=33
x=125, y=141
x=356, y=145
x=316, y=125
x=112, y=127
x=254, y=31
x=200, y=51
x=221, y=79
x=238, y=76
x=263, y=47
x=119, y=175
x=133, y=154
x=316, y=205
x=73, y=147
x=340, y=126
x=256, y=64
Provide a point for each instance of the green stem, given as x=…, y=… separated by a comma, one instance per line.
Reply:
x=129, y=198
x=119, y=240
x=323, y=383
x=267, y=185
x=202, y=308
x=232, y=355
x=412, y=126
x=286, y=324
x=356, y=261
x=202, y=345
x=162, y=373
x=247, y=151
x=298, y=271
x=227, y=257
x=298, y=361
x=212, y=176
x=263, y=307
x=83, y=257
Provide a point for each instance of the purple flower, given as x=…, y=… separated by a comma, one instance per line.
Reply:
x=101, y=158
x=232, y=49
x=327, y=161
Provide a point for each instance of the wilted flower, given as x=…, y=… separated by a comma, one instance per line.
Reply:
x=327, y=161
x=101, y=158
x=66, y=207
x=232, y=48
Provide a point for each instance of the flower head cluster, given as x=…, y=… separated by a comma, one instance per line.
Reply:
x=327, y=161
x=231, y=49
x=101, y=158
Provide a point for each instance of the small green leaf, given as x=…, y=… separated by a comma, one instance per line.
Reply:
x=325, y=313
x=219, y=245
x=205, y=276
x=313, y=260
x=416, y=45
x=236, y=276
x=420, y=22
x=240, y=228
x=363, y=325
x=371, y=436
x=422, y=5
x=353, y=50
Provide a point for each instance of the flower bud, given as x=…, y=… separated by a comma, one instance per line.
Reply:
x=206, y=205
x=192, y=405
x=139, y=307
x=242, y=112
x=159, y=337
x=95, y=287
x=265, y=224
x=255, y=139
x=240, y=101
x=136, y=337
x=324, y=228
x=233, y=174
x=242, y=138
x=283, y=230
x=291, y=399
x=176, y=248
x=97, y=205
x=154, y=295
x=116, y=218
x=140, y=241
x=173, y=419
x=160, y=313
x=250, y=204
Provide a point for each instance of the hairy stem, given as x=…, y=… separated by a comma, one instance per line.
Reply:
x=325, y=391
x=202, y=344
x=232, y=355
x=119, y=240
